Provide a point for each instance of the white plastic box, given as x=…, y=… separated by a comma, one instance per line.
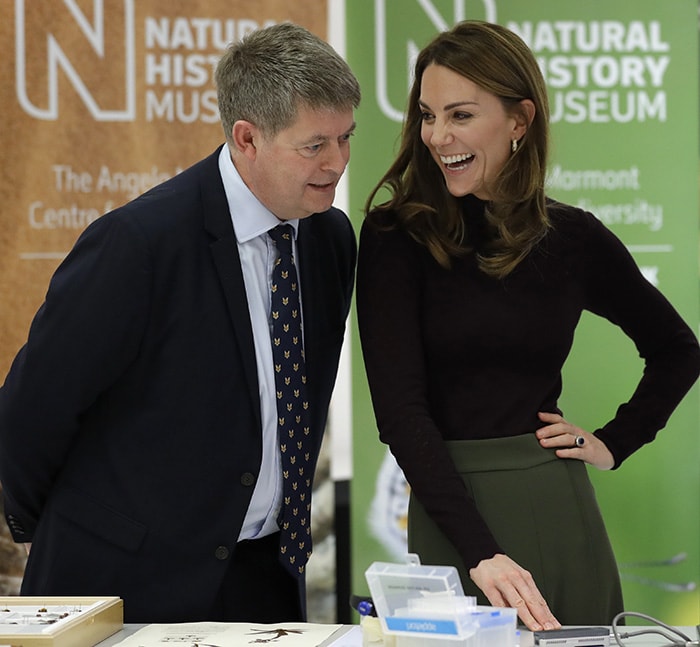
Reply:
x=426, y=605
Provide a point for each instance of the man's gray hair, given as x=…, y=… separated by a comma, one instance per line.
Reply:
x=266, y=77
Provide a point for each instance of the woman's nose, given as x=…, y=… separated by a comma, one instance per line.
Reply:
x=441, y=134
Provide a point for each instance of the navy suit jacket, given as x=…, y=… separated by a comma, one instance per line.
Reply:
x=130, y=432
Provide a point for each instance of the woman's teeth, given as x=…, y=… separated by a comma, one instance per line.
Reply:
x=455, y=159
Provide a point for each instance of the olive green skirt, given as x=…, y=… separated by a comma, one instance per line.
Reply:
x=543, y=513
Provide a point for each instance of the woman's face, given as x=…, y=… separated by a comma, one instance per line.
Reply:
x=467, y=131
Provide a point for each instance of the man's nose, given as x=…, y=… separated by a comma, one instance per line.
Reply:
x=336, y=158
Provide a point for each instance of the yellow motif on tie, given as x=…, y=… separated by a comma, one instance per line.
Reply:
x=287, y=341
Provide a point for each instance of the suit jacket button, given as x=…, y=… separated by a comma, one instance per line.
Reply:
x=221, y=553
x=247, y=479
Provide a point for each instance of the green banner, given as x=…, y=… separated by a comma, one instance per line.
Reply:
x=623, y=82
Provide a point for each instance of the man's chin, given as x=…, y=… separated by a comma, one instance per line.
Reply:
x=323, y=204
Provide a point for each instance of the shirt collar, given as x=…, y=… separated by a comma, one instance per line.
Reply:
x=250, y=217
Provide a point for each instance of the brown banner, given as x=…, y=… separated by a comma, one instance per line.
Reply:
x=100, y=100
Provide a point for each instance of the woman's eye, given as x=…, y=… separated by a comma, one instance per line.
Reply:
x=426, y=116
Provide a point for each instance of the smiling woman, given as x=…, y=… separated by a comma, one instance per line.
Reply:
x=468, y=130
x=471, y=284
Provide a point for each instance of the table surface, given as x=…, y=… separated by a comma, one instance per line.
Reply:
x=526, y=639
x=120, y=635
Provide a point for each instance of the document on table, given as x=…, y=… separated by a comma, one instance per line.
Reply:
x=215, y=634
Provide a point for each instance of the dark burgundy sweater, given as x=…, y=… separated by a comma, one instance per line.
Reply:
x=454, y=354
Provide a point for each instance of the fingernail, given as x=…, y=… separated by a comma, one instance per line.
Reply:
x=548, y=626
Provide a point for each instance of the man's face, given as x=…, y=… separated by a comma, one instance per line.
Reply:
x=294, y=173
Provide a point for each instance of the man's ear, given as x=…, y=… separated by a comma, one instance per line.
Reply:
x=524, y=115
x=244, y=134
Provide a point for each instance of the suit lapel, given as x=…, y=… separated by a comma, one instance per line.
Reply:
x=217, y=222
x=309, y=277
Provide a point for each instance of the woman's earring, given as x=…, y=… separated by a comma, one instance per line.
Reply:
x=514, y=145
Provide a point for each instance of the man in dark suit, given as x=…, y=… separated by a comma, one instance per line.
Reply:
x=139, y=450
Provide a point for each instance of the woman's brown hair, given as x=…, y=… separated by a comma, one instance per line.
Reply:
x=497, y=60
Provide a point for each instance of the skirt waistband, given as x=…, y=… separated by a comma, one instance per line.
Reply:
x=493, y=454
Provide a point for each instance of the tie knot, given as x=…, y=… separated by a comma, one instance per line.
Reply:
x=282, y=235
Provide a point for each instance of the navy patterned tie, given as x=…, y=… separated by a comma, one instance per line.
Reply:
x=292, y=407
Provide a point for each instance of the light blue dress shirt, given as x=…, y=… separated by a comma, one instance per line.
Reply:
x=251, y=222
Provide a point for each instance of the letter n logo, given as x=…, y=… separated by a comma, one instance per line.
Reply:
x=84, y=50
x=399, y=27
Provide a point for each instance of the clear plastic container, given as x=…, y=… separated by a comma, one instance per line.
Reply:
x=425, y=605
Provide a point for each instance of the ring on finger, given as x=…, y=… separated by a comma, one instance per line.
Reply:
x=579, y=441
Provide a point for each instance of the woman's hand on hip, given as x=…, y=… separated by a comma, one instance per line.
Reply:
x=506, y=584
x=570, y=441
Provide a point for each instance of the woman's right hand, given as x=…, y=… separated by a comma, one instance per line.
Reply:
x=506, y=584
